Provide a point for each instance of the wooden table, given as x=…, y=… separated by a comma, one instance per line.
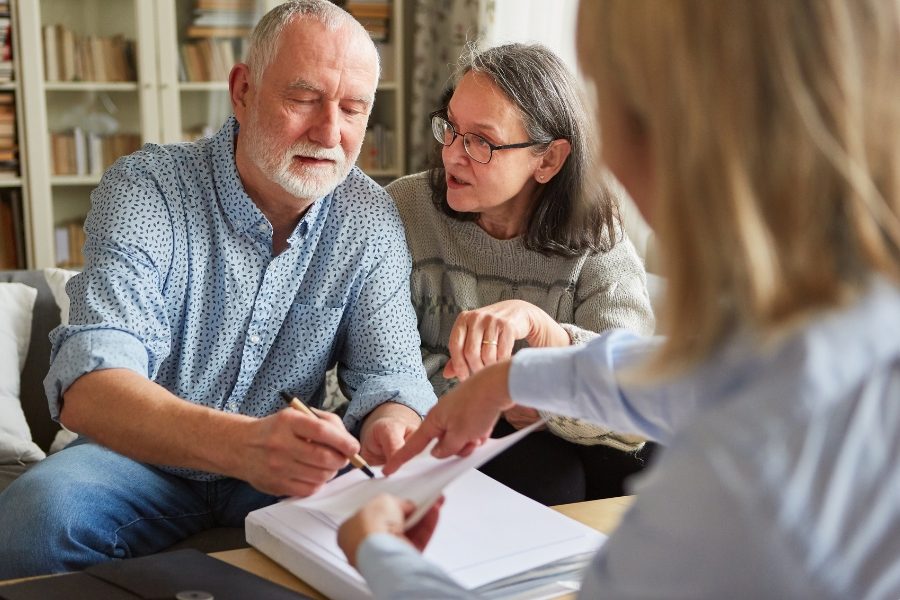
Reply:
x=602, y=515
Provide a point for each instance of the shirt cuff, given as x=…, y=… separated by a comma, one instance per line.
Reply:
x=382, y=559
x=413, y=392
x=89, y=351
x=538, y=375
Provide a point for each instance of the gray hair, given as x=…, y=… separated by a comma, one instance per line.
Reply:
x=265, y=36
x=576, y=211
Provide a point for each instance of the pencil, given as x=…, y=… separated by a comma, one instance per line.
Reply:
x=356, y=460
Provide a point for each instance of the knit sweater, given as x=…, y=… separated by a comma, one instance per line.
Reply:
x=457, y=266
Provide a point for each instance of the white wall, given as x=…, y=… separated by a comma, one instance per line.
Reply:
x=549, y=22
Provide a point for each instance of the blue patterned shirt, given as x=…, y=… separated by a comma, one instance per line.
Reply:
x=180, y=285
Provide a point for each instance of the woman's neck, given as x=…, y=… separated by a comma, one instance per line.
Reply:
x=507, y=221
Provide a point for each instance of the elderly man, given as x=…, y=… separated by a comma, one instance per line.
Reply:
x=217, y=274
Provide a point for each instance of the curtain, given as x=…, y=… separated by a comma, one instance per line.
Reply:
x=441, y=29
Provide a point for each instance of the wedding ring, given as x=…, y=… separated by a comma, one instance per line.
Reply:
x=489, y=342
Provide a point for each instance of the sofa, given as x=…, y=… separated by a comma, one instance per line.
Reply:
x=46, y=316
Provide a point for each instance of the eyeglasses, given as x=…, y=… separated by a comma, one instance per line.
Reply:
x=478, y=148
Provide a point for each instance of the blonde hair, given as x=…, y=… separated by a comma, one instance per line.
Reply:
x=774, y=132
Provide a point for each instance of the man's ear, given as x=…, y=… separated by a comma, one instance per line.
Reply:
x=239, y=89
x=552, y=160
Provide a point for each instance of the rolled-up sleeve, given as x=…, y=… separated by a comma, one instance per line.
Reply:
x=87, y=351
x=117, y=311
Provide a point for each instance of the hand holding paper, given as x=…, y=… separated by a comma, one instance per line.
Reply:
x=462, y=419
x=478, y=541
x=387, y=514
x=421, y=481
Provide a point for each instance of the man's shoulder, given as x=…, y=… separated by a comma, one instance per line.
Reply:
x=360, y=195
x=163, y=160
x=358, y=183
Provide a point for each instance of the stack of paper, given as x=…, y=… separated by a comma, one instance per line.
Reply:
x=489, y=538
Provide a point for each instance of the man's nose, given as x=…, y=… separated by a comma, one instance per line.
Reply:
x=326, y=131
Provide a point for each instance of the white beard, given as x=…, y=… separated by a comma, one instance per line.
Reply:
x=304, y=182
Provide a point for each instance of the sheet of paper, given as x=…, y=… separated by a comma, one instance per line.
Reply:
x=486, y=532
x=421, y=480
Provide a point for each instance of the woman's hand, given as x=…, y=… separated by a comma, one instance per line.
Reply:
x=386, y=514
x=462, y=419
x=522, y=416
x=485, y=336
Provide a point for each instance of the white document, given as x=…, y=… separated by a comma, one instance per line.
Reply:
x=486, y=534
x=421, y=480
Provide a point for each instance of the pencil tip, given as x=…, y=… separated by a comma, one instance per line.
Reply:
x=367, y=471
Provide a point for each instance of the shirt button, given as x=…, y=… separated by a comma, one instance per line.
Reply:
x=254, y=339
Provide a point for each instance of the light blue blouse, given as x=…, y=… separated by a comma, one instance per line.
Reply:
x=781, y=472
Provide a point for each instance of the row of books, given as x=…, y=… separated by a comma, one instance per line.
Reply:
x=209, y=59
x=12, y=226
x=375, y=16
x=12, y=236
x=9, y=149
x=222, y=18
x=6, y=56
x=69, y=56
x=69, y=240
x=78, y=152
x=378, y=149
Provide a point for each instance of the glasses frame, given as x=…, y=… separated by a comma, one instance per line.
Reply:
x=441, y=114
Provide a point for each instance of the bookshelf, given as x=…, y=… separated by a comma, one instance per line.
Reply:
x=103, y=77
x=13, y=222
x=383, y=155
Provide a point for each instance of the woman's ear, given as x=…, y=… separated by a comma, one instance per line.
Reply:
x=552, y=160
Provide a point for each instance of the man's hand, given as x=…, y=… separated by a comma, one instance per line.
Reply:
x=385, y=430
x=462, y=419
x=288, y=453
x=386, y=514
x=291, y=453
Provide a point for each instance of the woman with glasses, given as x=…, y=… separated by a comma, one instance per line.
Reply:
x=512, y=245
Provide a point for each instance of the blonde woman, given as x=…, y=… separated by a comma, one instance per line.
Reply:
x=762, y=140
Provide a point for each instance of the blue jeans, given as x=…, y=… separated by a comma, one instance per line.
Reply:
x=88, y=504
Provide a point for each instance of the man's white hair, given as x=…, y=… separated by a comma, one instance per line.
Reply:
x=265, y=36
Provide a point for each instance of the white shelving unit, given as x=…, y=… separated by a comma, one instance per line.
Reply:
x=158, y=106
x=390, y=101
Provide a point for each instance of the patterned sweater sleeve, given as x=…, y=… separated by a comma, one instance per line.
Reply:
x=611, y=293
